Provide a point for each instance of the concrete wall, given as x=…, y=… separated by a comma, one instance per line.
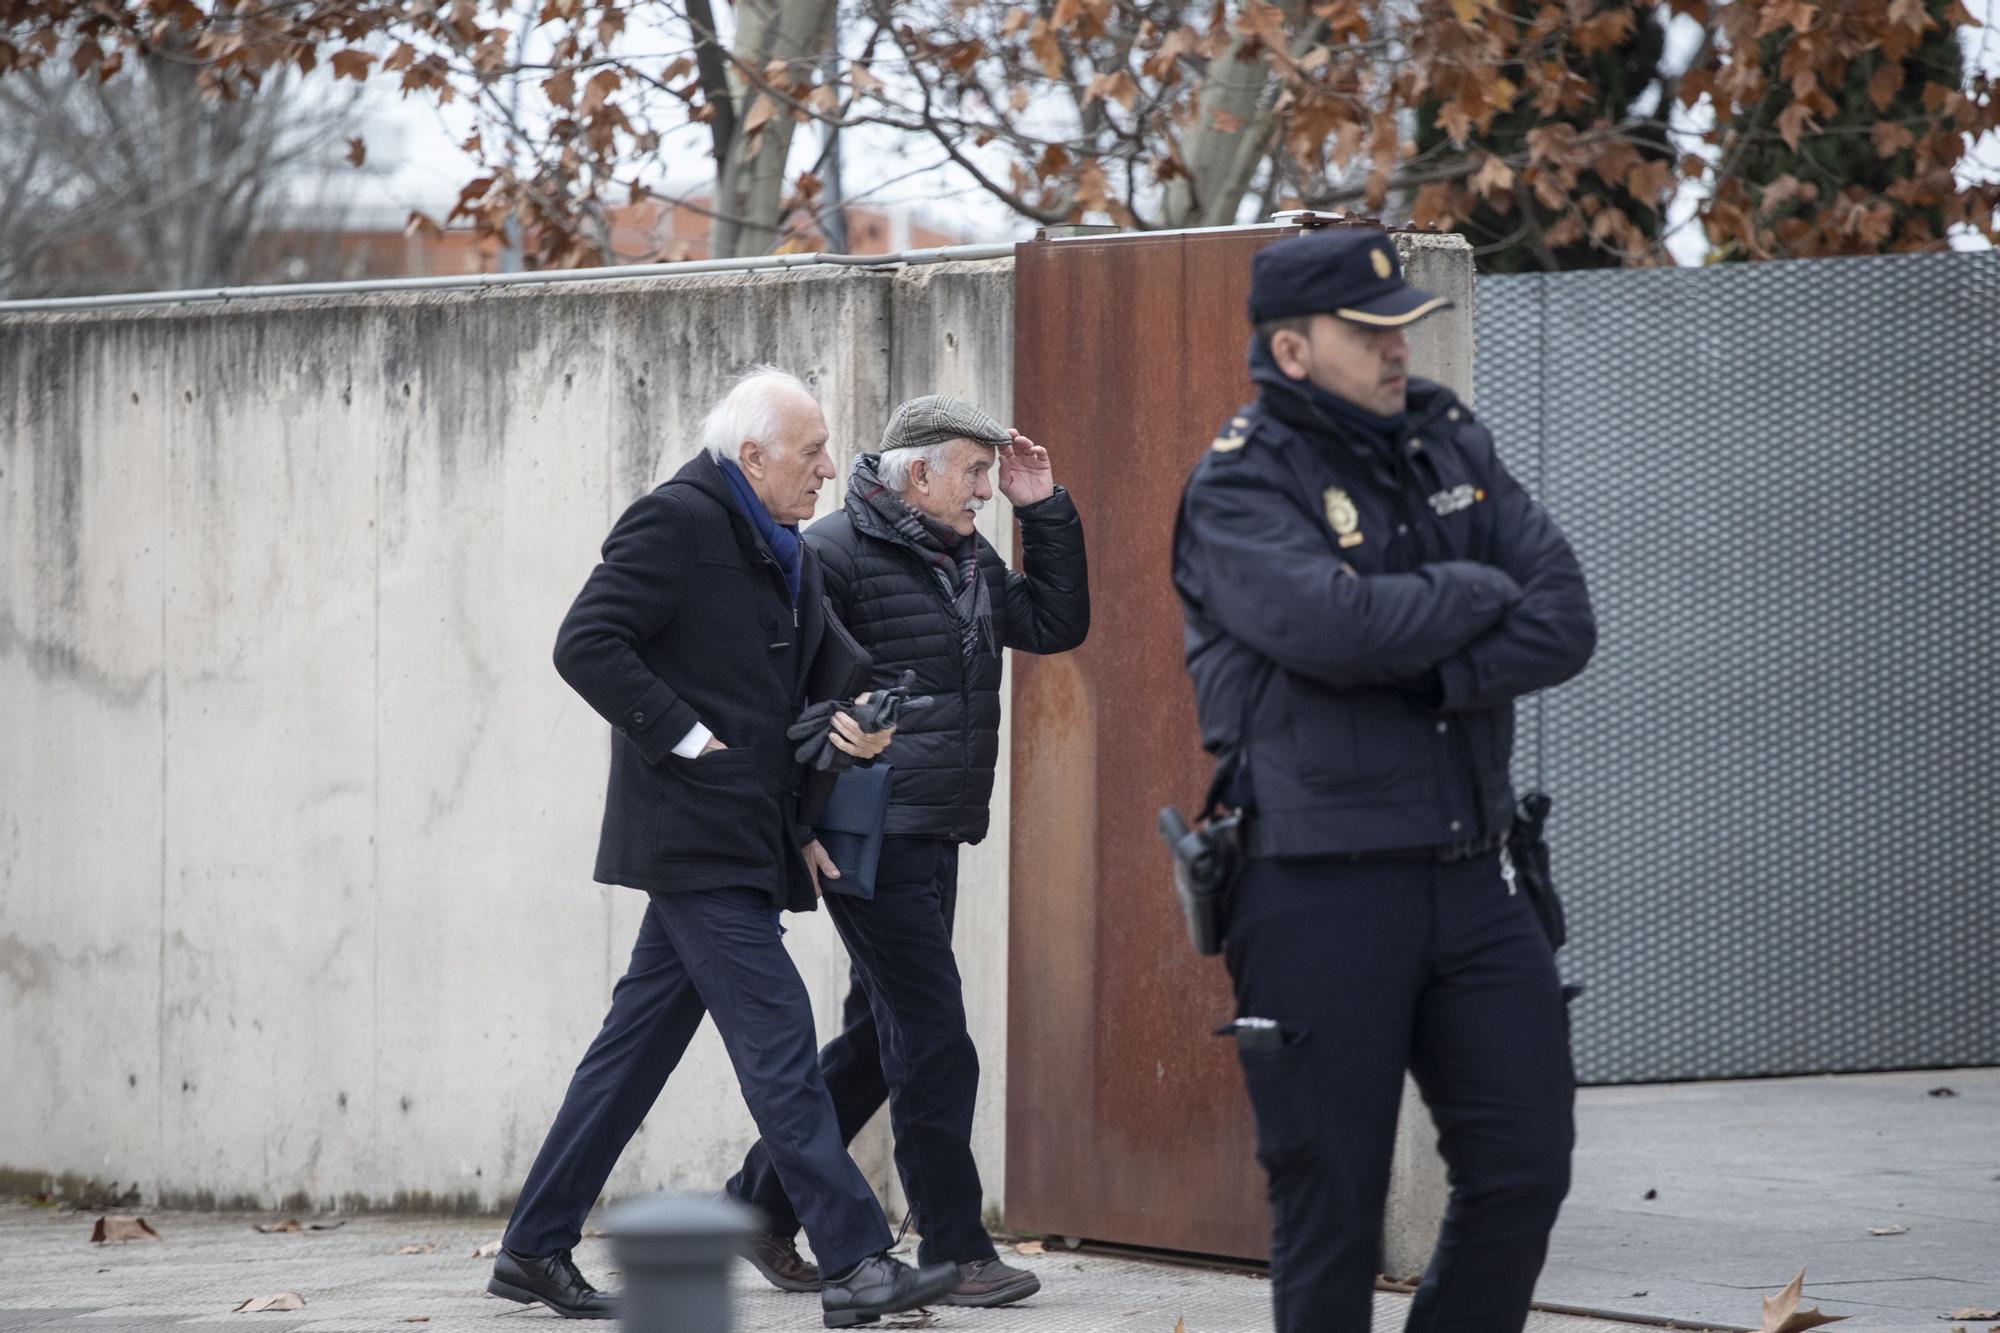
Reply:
x=296, y=819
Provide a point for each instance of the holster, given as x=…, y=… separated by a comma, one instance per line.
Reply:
x=1528, y=854
x=1208, y=861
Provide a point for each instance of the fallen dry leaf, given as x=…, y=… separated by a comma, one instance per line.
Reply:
x=1650, y=1194
x=1944, y=1092
x=290, y=1224
x=418, y=1319
x=112, y=1230
x=281, y=1300
x=1783, y=1315
x=1029, y=1247
x=1972, y=1312
x=487, y=1251
x=1180, y=1325
x=1888, y=1231
x=427, y=1247
x=918, y=1319
x=595, y=1235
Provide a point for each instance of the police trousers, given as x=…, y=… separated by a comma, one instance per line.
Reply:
x=904, y=1039
x=714, y=952
x=1370, y=968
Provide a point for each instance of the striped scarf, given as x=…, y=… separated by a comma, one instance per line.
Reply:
x=952, y=558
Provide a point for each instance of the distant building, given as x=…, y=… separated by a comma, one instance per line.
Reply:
x=374, y=242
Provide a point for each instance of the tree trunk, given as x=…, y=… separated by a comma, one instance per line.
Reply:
x=750, y=187
x=1210, y=193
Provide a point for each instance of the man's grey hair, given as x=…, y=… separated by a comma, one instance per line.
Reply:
x=749, y=411
x=895, y=469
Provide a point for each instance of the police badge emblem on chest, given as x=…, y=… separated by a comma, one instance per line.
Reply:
x=1342, y=517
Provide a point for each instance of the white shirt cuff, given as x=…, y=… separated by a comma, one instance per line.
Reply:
x=694, y=742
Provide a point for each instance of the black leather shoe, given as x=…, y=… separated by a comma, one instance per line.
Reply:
x=881, y=1285
x=552, y=1280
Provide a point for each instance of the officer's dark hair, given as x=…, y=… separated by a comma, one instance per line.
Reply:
x=1271, y=328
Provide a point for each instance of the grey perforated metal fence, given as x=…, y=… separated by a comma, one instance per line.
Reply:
x=1777, y=788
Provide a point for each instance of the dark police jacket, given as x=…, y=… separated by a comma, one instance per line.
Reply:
x=1372, y=619
x=885, y=593
x=688, y=619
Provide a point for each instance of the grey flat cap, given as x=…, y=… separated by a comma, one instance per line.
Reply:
x=936, y=419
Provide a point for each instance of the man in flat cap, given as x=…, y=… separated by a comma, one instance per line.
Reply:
x=1366, y=592
x=921, y=590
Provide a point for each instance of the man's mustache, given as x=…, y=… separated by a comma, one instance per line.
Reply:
x=975, y=504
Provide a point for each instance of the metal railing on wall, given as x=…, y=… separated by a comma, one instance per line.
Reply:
x=483, y=281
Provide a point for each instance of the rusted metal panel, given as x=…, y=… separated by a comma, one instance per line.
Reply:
x=1126, y=1119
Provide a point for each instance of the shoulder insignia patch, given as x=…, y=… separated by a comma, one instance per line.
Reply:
x=1229, y=441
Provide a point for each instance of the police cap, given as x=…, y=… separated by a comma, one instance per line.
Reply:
x=1349, y=272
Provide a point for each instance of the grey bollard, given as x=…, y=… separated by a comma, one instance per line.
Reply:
x=674, y=1251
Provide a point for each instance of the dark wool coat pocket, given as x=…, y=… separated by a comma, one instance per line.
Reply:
x=720, y=807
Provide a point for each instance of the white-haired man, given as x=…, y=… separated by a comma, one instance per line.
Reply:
x=693, y=638
x=920, y=589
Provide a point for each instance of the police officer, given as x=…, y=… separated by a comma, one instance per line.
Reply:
x=1366, y=591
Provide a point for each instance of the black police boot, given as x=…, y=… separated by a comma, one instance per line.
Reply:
x=552, y=1280
x=880, y=1285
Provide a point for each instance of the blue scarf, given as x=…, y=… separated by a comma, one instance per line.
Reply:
x=783, y=541
x=1314, y=412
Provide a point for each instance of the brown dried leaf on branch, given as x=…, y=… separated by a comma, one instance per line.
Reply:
x=1783, y=1315
x=111, y=1230
x=1187, y=115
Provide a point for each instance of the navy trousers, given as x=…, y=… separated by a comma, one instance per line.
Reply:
x=1369, y=968
x=714, y=952
x=905, y=1041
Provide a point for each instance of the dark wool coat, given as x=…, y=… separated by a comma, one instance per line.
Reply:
x=885, y=592
x=688, y=619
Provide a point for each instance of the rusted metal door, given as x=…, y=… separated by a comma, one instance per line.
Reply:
x=1126, y=1121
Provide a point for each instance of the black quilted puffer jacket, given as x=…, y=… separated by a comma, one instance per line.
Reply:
x=885, y=592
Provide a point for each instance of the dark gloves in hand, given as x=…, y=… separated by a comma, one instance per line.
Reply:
x=885, y=707
x=814, y=732
x=814, y=728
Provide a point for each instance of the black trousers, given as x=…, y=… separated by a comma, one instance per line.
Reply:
x=904, y=1040
x=715, y=952
x=1370, y=968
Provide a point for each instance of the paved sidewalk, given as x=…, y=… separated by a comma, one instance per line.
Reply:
x=1750, y=1182
x=354, y=1279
